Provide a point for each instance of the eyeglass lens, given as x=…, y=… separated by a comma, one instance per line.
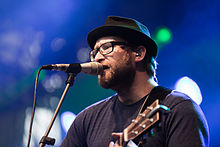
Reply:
x=104, y=49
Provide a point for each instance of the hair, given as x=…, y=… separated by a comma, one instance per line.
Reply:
x=151, y=65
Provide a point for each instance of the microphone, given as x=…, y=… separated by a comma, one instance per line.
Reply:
x=92, y=68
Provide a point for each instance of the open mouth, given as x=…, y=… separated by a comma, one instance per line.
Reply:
x=105, y=67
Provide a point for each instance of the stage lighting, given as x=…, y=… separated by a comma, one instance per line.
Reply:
x=163, y=35
x=189, y=87
x=67, y=119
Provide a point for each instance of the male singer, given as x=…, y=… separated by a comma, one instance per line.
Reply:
x=125, y=47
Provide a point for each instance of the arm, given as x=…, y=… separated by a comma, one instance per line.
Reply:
x=186, y=126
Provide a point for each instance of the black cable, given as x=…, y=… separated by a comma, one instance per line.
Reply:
x=33, y=109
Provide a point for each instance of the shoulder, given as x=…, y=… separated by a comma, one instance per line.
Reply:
x=89, y=115
x=85, y=120
x=103, y=103
x=97, y=107
x=108, y=100
x=176, y=98
x=182, y=105
x=186, y=119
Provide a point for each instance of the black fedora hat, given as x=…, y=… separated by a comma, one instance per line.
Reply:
x=127, y=28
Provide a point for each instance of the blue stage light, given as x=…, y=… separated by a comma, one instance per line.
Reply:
x=189, y=87
x=66, y=120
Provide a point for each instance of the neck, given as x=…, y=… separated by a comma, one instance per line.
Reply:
x=141, y=86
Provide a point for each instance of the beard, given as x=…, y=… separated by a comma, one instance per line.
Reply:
x=119, y=75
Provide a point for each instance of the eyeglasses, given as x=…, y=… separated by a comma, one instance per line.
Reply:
x=105, y=48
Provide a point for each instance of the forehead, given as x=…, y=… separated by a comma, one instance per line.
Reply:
x=102, y=40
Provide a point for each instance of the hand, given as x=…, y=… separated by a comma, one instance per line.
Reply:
x=115, y=135
x=112, y=144
x=130, y=144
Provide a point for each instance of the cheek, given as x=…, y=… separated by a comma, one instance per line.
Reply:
x=119, y=59
x=125, y=59
x=121, y=55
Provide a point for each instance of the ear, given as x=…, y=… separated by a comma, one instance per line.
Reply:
x=140, y=53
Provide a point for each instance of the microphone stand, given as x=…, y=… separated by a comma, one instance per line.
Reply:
x=45, y=139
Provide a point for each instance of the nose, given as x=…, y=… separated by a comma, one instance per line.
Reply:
x=99, y=57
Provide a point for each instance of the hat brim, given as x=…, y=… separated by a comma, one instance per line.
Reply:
x=128, y=34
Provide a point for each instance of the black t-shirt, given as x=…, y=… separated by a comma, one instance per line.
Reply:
x=184, y=126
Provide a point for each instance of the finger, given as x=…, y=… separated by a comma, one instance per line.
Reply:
x=111, y=144
x=116, y=135
x=117, y=145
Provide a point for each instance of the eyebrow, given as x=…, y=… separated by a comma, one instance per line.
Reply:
x=95, y=47
x=110, y=41
x=101, y=45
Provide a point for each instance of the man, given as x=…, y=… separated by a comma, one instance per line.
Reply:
x=124, y=47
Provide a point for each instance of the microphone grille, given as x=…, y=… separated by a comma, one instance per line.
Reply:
x=96, y=68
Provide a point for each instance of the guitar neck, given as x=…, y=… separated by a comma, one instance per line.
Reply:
x=144, y=122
